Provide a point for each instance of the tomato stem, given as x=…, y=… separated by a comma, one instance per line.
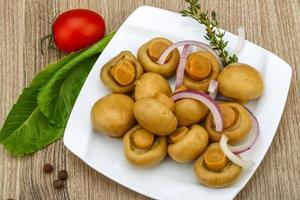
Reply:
x=50, y=43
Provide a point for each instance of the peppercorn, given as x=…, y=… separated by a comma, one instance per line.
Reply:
x=48, y=168
x=58, y=184
x=63, y=174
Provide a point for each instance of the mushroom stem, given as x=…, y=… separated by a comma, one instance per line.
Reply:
x=123, y=72
x=178, y=134
x=229, y=115
x=198, y=67
x=156, y=49
x=215, y=159
x=143, y=139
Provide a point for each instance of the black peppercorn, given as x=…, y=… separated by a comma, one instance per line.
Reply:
x=63, y=174
x=58, y=184
x=48, y=168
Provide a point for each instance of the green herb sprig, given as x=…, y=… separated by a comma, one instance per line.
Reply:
x=213, y=33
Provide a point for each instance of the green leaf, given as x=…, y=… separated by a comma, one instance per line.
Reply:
x=54, y=99
x=27, y=103
x=34, y=134
x=57, y=100
x=26, y=129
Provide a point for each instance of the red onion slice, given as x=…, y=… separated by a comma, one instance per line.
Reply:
x=200, y=45
x=220, y=97
x=206, y=100
x=181, y=66
x=241, y=41
x=232, y=157
x=213, y=89
x=250, y=139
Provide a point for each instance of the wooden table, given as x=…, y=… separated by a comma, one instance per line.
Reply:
x=272, y=24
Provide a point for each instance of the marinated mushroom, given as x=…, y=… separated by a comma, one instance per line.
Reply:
x=187, y=144
x=241, y=82
x=149, y=53
x=143, y=149
x=120, y=73
x=166, y=100
x=155, y=116
x=189, y=111
x=201, y=67
x=149, y=84
x=113, y=115
x=236, y=123
x=213, y=169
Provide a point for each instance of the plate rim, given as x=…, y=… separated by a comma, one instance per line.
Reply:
x=148, y=193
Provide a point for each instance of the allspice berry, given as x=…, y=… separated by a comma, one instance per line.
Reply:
x=58, y=184
x=62, y=174
x=47, y=168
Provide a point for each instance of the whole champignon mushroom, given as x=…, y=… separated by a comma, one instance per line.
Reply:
x=236, y=119
x=143, y=149
x=187, y=144
x=213, y=169
x=155, y=116
x=120, y=73
x=241, y=82
x=166, y=100
x=189, y=111
x=113, y=115
x=149, y=53
x=201, y=67
x=149, y=84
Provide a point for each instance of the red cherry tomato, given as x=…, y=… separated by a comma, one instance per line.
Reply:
x=77, y=29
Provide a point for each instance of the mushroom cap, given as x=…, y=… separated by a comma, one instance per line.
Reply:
x=113, y=115
x=238, y=129
x=214, y=73
x=189, y=111
x=166, y=100
x=190, y=146
x=240, y=81
x=106, y=72
x=216, y=179
x=154, y=116
x=149, y=84
x=168, y=68
x=144, y=157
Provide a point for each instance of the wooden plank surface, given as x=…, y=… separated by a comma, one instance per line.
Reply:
x=272, y=24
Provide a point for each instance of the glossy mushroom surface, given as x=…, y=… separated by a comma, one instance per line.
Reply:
x=187, y=144
x=149, y=84
x=241, y=82
x=113, y=115
x=155, y=116
x=189, y=111
x=119, y=74
x=237, y=123
x=213, y=169
x=143, y=149
x=149, y=53
x=201, y=67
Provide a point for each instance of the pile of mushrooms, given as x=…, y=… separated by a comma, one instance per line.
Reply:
x=188, y=124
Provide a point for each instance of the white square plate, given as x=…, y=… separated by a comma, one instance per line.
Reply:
x=170, y=180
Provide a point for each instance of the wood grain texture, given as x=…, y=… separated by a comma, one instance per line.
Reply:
x=272, y=24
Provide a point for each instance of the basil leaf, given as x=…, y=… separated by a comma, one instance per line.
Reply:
x=56, y=98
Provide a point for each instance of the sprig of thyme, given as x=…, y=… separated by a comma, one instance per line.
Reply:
x=213, y=33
